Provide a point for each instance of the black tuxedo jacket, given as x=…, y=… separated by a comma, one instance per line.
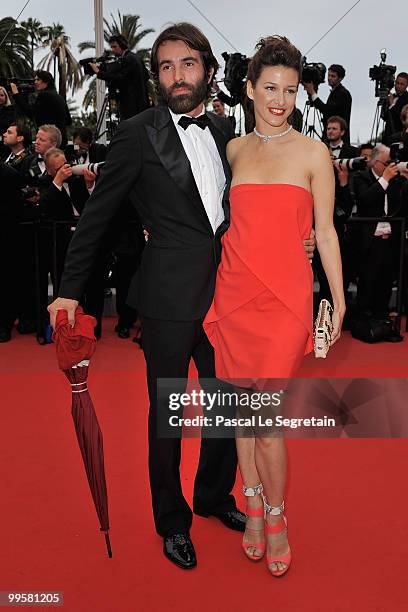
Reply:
x=338, y=103
x=57, y=205
x=370, y=198
x=147, y=163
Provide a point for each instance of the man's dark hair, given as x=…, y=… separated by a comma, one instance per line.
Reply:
x=218, y=100
x=367, y=145
x=403, y=75
x=84, y=133
x=23, y=130
x=274, y=51
x=338, y=69
x=194, y=39
x=121, y=40
x=336, y=119
x=46, y=77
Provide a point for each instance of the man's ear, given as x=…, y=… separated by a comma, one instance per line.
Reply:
x=250, y=90
x=210, y=74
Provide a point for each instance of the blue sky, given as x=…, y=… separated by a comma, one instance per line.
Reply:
x=355, y=42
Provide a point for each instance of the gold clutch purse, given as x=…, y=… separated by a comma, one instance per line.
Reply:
x=323, y=329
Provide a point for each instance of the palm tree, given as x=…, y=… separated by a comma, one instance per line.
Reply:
x=15, y=49
x=130, y=28
x=36, y=32
x=62, y=58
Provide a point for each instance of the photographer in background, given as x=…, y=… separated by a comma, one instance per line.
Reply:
x=339, y=101
x=49, y=107
x=17, y=139
x=392, y=107
x=7, y=117
x=130, y=78
x=380, y=192
x=343, y=204
x=84, y=150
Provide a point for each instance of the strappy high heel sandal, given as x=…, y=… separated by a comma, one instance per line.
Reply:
x=254, y=512
x=285, y=558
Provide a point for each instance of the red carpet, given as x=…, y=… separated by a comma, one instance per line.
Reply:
x=347, y=500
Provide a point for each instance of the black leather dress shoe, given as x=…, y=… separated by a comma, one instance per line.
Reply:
x=234, y=519
x=394, y=337
x=179, y=549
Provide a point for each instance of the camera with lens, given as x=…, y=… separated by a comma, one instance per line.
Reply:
x=108, y=63
x=383, y=75
x=236, y=68
x=313, y=72
x=25, y=86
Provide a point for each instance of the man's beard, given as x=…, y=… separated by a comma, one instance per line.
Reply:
x=186, y=102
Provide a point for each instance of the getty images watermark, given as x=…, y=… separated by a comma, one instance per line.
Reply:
x=254, y=403
x=312, y=408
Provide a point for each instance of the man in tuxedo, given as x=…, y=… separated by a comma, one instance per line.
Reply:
x=129, y=77
x=343, y=203
x=171, y=162
x=392, y=107
x=339, y=101
x=17, y=138
x=380, y=192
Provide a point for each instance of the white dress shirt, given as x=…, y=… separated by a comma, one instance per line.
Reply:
x=383, y=227
x=206, y=166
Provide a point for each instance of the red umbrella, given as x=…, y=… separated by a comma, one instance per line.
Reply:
x=75, y=346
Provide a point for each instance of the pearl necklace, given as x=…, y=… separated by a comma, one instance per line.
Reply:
x=267, y=137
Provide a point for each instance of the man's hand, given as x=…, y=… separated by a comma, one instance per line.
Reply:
x=309, y=89
x=390, y=172
x=14, y=88
x=35, y=198
x=343, y=175
x=89, y=178
x=94, y=67
x=310, y=245
x=64, y=173
x=63, y=304
x=404, y=173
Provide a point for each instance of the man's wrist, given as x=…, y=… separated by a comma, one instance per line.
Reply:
x=384, y=183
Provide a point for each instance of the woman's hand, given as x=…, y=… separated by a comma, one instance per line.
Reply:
x=337, y=319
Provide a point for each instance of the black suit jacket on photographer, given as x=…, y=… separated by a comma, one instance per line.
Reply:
x=130, y=78
x=338, y=103
x=147, y=163
x=370, y=198
x=392, y=117
x=49, y=107
x=57, y=205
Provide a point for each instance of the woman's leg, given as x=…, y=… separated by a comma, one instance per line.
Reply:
x=254, y=531
x=270, y=461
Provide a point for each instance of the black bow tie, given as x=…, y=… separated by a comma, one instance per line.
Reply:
x=39, y=158
x=202, y=121
x=335, y=148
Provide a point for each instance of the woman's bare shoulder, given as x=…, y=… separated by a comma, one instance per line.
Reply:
x=310, y=145
x=234, y=146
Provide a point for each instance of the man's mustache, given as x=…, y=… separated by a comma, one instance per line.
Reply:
x=180, y=86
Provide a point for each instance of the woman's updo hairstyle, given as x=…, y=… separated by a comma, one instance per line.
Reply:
x=274, y=51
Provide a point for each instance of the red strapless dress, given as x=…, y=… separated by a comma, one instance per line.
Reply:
x=260, y=321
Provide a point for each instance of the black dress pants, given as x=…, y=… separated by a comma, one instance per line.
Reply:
x=168, y=347
x=376, y=278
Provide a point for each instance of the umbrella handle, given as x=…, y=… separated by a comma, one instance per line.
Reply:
x=108, y=544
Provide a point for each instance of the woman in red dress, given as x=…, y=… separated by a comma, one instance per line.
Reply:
x=260, y=322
